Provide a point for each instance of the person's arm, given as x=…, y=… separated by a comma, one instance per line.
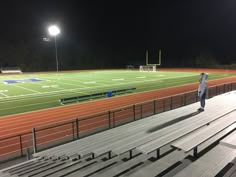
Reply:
x=199, y=90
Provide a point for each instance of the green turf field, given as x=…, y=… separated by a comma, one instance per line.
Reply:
x=27, y=92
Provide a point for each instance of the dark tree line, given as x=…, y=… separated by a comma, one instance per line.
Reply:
x=38, y=55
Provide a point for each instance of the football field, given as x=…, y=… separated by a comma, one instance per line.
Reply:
x=28, y=92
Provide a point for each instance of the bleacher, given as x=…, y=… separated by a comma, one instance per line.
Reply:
x=11, y=70
x=180, y=142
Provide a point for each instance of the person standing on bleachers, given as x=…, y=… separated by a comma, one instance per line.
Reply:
x=202, y=90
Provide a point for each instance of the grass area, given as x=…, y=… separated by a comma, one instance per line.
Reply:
x=28, y=92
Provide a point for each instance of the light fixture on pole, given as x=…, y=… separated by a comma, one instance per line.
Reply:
x=54, y=31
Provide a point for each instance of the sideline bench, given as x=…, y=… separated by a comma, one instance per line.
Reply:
x=123, y=91
x=95, y=96
x=82, y=98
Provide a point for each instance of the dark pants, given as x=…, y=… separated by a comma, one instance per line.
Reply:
x=202, y=99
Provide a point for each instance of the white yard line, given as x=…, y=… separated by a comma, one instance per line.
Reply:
x=141, y=77
x=79, y=79
x=118, y=79
x=25, y=88
x=60, y=89
x=62, y=82
x=4, y=94
x=43, y=84
x=91, y=82
x=80, y=82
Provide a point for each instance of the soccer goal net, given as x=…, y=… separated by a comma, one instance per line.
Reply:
x=148, y=68
x=130, y=67
x=11, y=70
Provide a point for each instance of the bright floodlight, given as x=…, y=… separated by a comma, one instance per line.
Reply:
x=53, y=30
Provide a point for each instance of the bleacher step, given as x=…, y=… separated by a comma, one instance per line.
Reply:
x=230, y=140
x=208, y=162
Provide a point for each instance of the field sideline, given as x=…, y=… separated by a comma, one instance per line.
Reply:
x=28, y=92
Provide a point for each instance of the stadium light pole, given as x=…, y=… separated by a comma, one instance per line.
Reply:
x=54, y=31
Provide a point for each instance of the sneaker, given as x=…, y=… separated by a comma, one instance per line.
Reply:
x=200, y=109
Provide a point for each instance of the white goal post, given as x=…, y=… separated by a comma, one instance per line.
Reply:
x=159, y=59
x=149, y=66
x=11, y=70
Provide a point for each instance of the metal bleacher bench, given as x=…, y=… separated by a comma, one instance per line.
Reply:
x=95, y=96
x=154, y=141
x=210, y=164
x=230, y=141
x=120, y=141
x=193, y=140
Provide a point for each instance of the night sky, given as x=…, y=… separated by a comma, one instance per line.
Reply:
x=183, y=29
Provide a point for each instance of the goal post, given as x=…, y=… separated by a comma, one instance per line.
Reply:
x=151, y=66
x=158, y=60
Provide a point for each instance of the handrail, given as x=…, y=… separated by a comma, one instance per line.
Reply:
x=14, y=136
